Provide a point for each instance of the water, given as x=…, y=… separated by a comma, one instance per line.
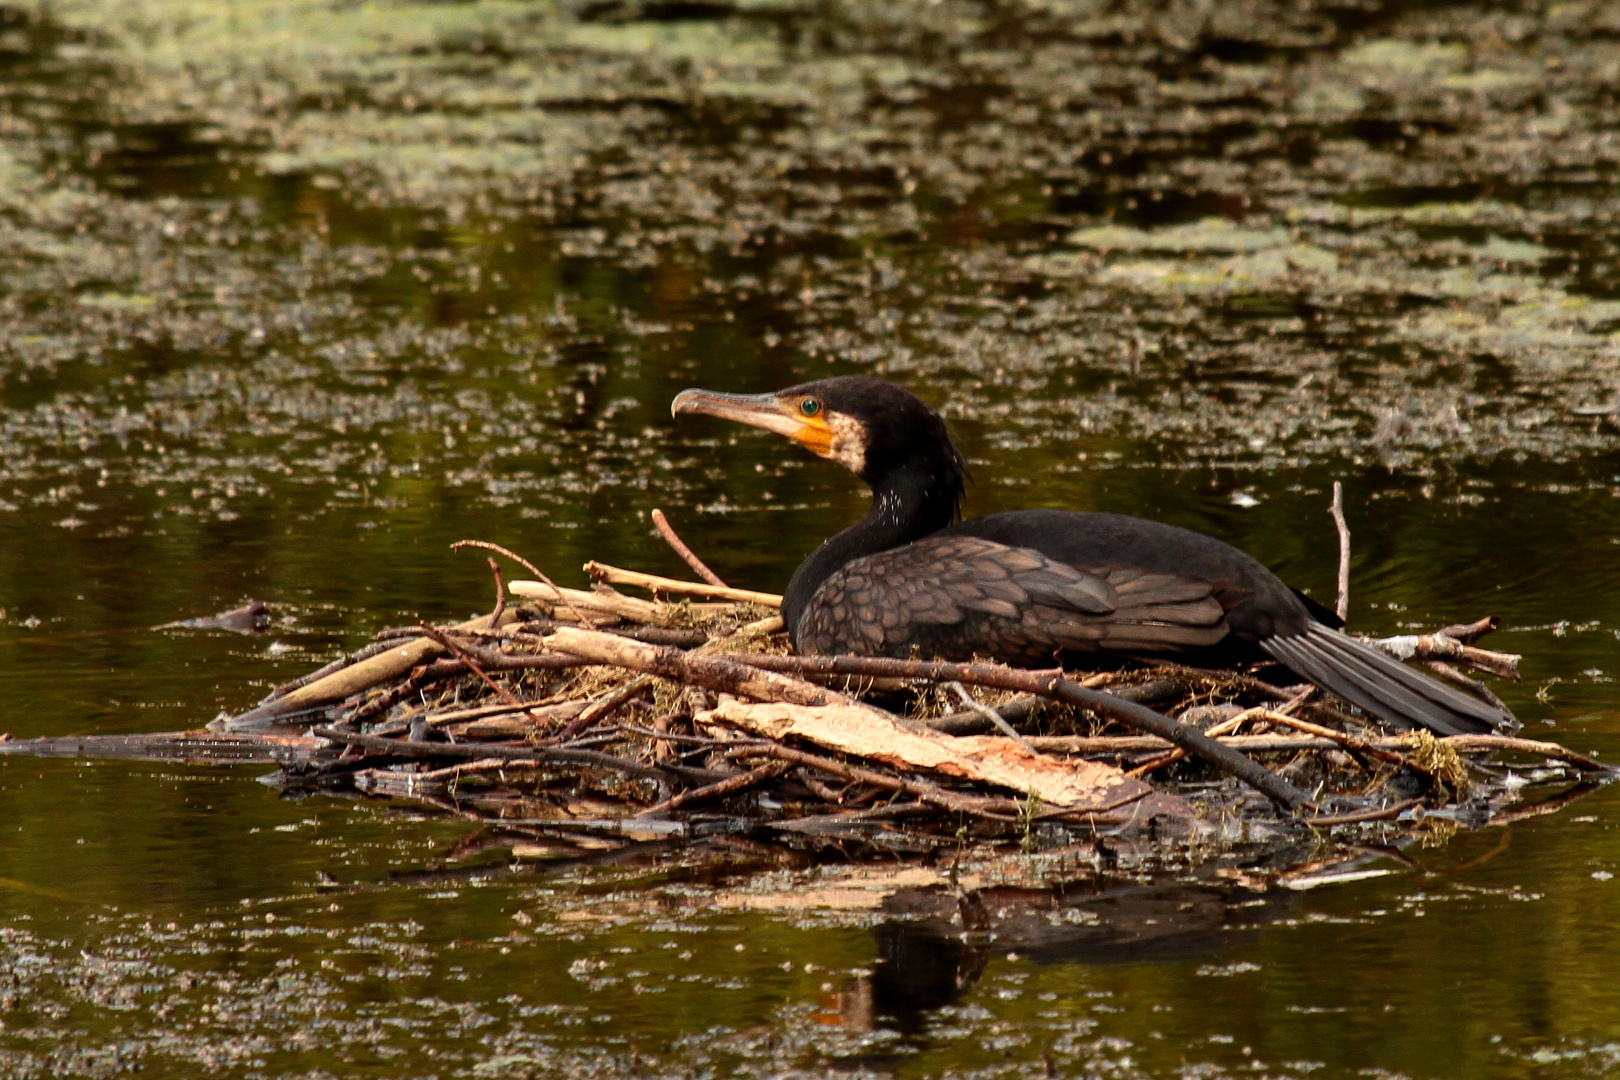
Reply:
x=292, y=297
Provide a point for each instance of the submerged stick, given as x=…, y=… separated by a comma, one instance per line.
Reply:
x=688, y=556
x=1359, y=816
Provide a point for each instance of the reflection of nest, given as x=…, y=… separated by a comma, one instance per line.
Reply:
x=570, y=723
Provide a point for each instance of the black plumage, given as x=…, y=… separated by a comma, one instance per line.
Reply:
x=1031, y=586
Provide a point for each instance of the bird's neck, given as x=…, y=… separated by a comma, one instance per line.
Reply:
x=908, y=503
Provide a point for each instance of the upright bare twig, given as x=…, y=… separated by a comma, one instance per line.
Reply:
x=500, y=595
x=1337, y=510
x=667, y=531
x=531, y=568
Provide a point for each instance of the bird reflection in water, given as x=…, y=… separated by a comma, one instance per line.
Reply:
x=937, y=945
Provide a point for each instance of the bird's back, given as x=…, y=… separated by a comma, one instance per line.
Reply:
x=1086, y=538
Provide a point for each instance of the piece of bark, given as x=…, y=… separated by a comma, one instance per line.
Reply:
x=1052, y=685
x=869, y=733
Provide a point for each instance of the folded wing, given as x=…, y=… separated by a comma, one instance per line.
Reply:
x=954, y=597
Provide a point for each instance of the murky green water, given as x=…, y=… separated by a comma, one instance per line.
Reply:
x=292, y=295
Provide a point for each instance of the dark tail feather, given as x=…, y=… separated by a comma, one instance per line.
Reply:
x=1383, y=686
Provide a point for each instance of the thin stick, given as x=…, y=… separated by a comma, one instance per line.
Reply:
x=531, y=568
x=667, y=531
x=535, y=755
x=601, y=707
x=1364, y=815
x=1337, y=510
x=729, y=786
x=1529, y=746
x=500, y=594
x=995, y=718
x=615, y=575
x=1227, y=727
x=1457, y=678
x=918, y=789
x=1440, y=647
x=1468, y=633
x=1349, y=742
x=472, y=663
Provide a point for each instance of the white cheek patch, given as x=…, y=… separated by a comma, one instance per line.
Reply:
x=849, y=442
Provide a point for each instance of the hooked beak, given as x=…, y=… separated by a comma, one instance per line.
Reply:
x=756, y=410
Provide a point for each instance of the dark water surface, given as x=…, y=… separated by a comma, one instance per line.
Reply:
x=292, y=295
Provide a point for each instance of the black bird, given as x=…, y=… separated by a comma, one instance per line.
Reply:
x=1027, y=585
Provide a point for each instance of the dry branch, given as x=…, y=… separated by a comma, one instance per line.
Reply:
x=729, y=786
x=614, y=575
x=688, y=556
x=385, y=667
x=1441, y=647
x=721, y=674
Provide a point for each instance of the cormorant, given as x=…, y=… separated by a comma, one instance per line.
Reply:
x=1028, y=585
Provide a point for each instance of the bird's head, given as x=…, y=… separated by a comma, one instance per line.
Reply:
x=870, y=426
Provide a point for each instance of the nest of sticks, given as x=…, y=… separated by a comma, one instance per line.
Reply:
x=566, y=720
x=570, y=717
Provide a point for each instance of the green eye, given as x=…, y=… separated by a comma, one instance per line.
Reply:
x=809, y=406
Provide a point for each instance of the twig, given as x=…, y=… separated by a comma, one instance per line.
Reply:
x=537, y=755
x=614, y=575
x=552, y=710
x=1364, y=815
x=1529, y=746
x=601, y=707
x=1442, y=647
x=1468, y=633
x=731, y=674
x=1473, y=686
x=926, y=792
x=995, y=718
x=500, y=594
x=1337, y=510
x=667, y=531
x=468, y=658
x=729, y=786
x=1225, y=727
x=1349, y=742
x=530, y=567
